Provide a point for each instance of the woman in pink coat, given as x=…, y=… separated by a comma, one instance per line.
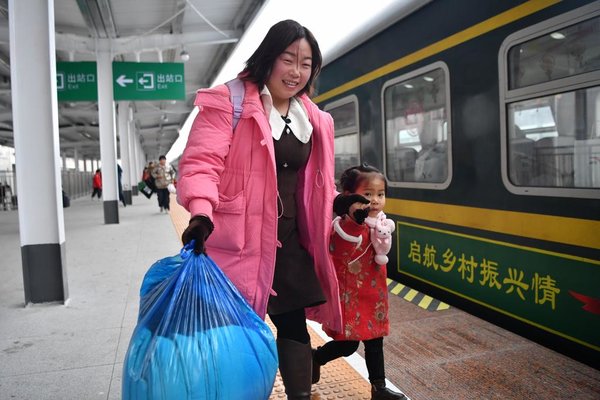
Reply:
x=261, y=195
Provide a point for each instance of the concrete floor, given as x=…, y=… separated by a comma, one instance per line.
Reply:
x=76, y=351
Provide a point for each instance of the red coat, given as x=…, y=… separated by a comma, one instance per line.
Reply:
x=97, y=181
x=362, y=284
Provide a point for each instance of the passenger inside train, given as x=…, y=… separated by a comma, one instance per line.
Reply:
x=431, y=164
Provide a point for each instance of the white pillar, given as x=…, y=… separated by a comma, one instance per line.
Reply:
x=134, y=172
x=123, y=118
x=140, y=153
x=37, y=153
x=143, y=157
x=76, y=159
x=108, y=139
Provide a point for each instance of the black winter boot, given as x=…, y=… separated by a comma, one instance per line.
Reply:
x=380, y=392
x=316, y=367
x=295, y=367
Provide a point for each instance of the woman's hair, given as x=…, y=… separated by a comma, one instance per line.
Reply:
x=280, y=36
x=353, y=177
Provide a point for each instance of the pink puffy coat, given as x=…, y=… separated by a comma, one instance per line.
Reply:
x=231, y=178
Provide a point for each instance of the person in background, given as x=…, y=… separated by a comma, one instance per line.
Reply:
x=6, y=197
x=147, y=176
x=163, y=175
x=146, y=185
x=261, y=196
x=120, y=185
x=431, y=164
x=97, y=184
x=362, y=279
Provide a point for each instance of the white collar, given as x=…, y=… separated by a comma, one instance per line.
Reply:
x=299, y=125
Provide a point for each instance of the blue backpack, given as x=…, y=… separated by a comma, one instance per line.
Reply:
x=236, y=94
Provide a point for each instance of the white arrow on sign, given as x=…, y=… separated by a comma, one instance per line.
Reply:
x=123, y=81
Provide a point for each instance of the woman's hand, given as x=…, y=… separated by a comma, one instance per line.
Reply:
x=359, y=212
x=199, y=229
x=343, y=202
x=354, y=205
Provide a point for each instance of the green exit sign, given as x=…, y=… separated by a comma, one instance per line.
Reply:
x=76, y=81
x=148, y=81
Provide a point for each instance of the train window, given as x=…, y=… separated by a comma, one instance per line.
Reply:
x=549, y=146
x=416, y=110
x=346, y=142
x=550, y=88
x=562, y=53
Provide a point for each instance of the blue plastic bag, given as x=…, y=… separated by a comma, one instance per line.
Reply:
x=197, y=337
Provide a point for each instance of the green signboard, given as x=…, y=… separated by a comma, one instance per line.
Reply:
x=76, y=81
x=148, y=81
x=552, y=291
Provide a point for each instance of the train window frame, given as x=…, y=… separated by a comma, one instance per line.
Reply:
x=559, y=86
x=448, y=110
x=347, y=131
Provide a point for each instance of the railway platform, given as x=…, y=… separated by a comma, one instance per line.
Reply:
x=75, y=351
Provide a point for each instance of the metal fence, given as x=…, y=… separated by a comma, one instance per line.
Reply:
x=77, y=183
x=74, y=183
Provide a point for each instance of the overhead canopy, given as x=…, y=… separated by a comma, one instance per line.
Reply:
x=136, y=31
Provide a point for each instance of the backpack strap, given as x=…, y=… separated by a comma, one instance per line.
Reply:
x=236, y=94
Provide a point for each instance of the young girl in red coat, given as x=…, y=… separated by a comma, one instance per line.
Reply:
x=360, y=236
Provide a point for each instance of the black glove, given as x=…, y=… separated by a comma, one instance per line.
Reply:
x=361, y=214
x=342, y=203
x=199, y=229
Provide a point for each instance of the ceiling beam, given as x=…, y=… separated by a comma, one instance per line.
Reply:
x=107, y=18
x=136, y=44
x=98, y=18
x=158, y=128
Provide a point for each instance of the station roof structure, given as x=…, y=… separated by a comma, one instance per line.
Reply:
x=216, y=36
x=137, y=31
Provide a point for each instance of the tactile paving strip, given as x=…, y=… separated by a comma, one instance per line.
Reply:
x=415, y=297
x=338, y=379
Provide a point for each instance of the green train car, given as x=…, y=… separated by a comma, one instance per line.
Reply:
x=485, y=118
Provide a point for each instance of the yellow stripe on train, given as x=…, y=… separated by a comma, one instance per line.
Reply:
x=571, y=231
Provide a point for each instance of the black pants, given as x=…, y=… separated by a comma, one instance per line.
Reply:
x=291, y=325
x=97, y=191
x=344, y=348
x=121, y=196
x=163, y=198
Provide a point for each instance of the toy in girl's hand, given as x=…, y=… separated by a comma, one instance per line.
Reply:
x=381, y=236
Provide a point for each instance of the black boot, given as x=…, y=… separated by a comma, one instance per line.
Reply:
x=380, y=392
x=295, y=366
x=316, y=367
x=330, y=351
